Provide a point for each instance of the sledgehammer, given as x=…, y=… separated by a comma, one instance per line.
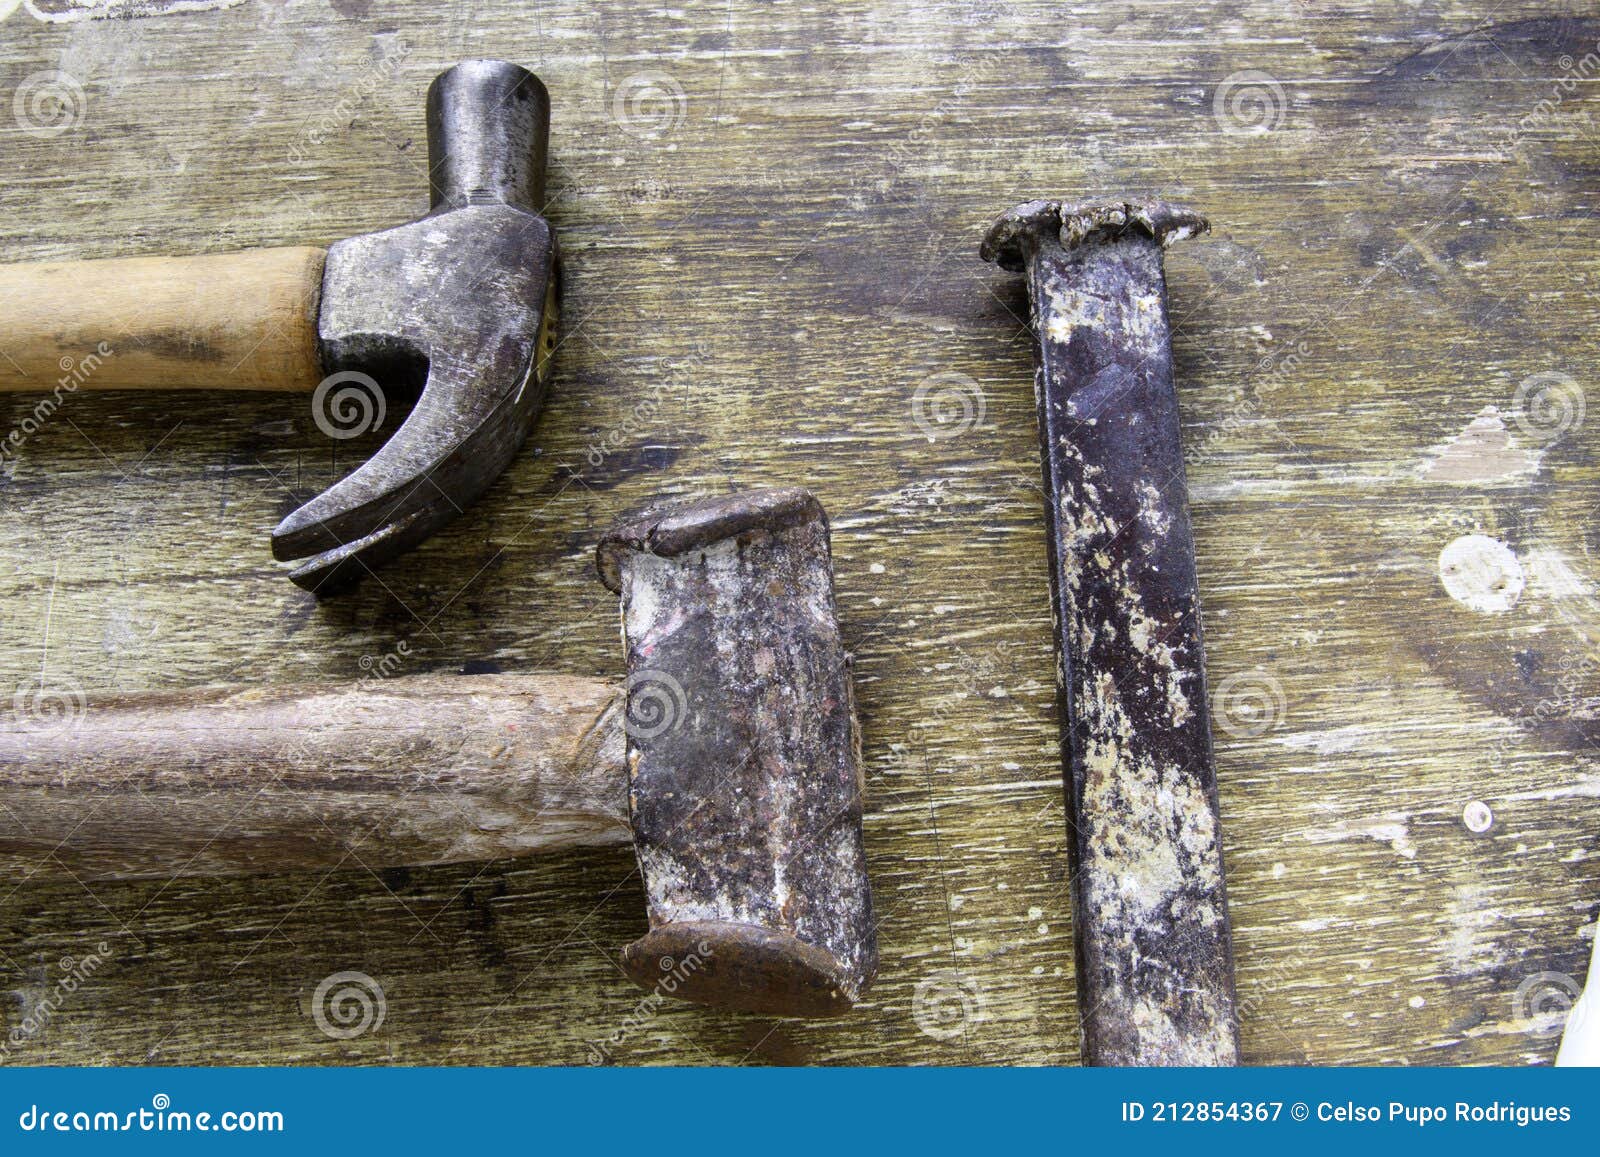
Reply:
x=729, y=755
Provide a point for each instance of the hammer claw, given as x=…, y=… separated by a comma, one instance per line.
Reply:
x=455, y=443
x=469, y=292
x=341, y=567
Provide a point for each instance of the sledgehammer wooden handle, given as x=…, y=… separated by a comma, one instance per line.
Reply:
x=231, y=321
x=383, y=773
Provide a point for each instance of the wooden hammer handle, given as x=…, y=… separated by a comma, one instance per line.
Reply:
x=395, y=772
x=231, y=321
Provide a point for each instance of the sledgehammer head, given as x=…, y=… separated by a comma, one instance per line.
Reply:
x=462, y=301
x=743, y=758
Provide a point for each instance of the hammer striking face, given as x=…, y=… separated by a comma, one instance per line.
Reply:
x=461, y=303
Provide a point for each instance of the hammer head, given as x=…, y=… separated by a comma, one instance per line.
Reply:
x=461, y=302
x=743, y=758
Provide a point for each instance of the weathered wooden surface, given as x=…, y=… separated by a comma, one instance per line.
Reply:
x=770, y=217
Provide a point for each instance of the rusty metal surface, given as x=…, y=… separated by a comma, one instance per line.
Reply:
x=461, y=303
x=1154, y=954
x=745, y=786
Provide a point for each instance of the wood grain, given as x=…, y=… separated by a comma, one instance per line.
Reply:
x=443, y=769
x=763, y=279
x=223, y=321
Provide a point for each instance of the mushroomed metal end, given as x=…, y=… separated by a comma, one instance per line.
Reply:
x=1074, y=222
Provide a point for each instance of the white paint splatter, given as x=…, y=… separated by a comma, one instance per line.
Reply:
x=1334, y=741
x=71, y=11
x=1391, y=830
x=1553, y=576
x=1481, y=573
x=1486, y=451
